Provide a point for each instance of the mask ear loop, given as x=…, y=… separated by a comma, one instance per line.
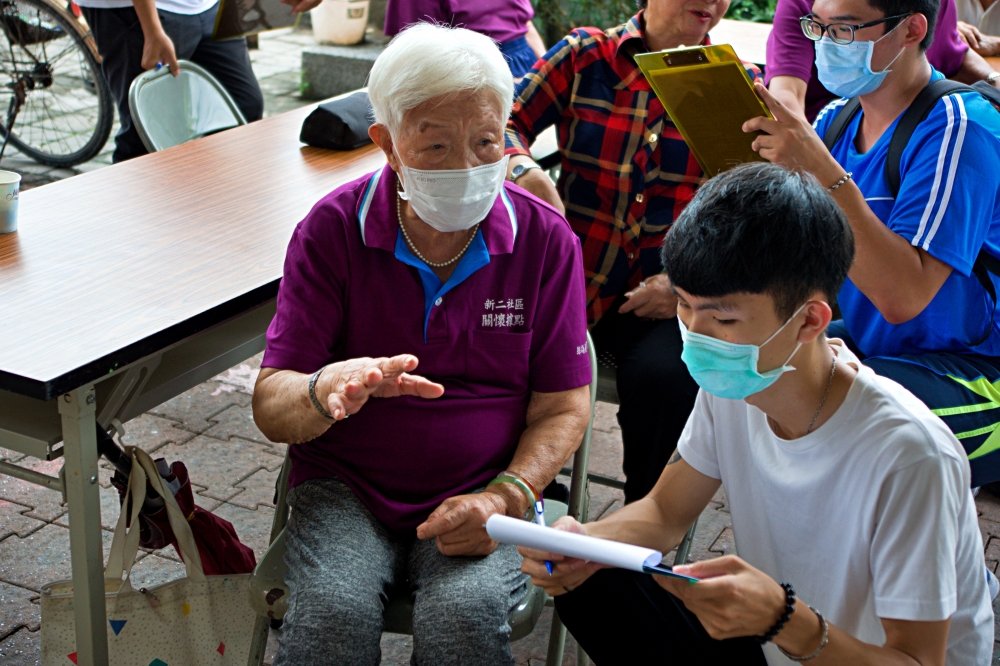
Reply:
x=774, y=335
x=871, y=51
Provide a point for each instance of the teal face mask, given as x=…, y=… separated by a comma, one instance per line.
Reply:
x=729, y=370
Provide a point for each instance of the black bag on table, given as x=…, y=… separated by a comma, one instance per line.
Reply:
x=341, y=124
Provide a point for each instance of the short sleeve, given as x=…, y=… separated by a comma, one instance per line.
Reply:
x=697, y=444
x=305, y=331
x=789, y=52
x=949, y=178
x=559, y=359
x=947, y=52
x=913, y=550
x=401, y=13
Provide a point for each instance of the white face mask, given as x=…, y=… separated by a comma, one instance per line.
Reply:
x=453, y=199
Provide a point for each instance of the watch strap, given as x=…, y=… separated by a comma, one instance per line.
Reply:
x=525, y=169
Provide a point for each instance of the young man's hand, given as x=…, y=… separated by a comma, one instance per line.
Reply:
x=732, y=598
x=158, y=48
x=789, y=140
x=568, y=573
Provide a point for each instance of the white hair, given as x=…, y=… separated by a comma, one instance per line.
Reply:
x=427, y=61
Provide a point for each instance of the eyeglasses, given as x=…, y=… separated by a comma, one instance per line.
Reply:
x=840, y=33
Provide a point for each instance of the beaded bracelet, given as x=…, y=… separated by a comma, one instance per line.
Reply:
x=846, y=177
x=780, y=624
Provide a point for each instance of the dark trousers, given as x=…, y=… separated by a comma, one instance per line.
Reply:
x=959, y=388
x=624, y=617
x=655, y=389
x=119, y=41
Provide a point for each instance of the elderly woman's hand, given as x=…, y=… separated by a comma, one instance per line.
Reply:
x=344, y=387
x=567, y=572
x=459, y=524
x=653, y=299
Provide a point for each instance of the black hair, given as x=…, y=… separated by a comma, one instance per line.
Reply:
x=929, y=8
x=641, y=4
x=758, y=229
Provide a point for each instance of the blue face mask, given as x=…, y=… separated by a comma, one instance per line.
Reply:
x=729, y=370
x=846, y=69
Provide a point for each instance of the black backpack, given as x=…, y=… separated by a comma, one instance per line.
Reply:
x=985, y=263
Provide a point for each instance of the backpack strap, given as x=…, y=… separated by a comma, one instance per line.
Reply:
x=989, y=91
x=985, y=264
x=912, y=117
x=839, y=124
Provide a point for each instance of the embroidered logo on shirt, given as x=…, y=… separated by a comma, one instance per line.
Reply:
x=581, y=349
x=503, y=319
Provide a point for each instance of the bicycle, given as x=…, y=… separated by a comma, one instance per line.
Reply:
x=60, y=108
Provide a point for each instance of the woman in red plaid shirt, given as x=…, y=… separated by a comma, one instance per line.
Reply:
x=626, y=175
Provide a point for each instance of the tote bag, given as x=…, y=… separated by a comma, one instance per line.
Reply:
x=198, y=620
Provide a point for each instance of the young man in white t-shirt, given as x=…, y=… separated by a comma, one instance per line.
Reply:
x=842, y=486
x=135, y=35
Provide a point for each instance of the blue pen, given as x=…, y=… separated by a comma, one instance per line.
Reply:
x=540, y=520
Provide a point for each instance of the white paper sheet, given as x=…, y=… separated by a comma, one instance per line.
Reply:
x=522, y=533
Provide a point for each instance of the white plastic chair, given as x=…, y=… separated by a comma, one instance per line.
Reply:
x=169, y=110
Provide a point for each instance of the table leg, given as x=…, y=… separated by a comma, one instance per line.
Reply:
x=77, y=409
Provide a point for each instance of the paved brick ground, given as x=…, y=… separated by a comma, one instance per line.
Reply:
x=234, y=467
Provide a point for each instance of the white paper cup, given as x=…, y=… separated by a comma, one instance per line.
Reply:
x=10, y=186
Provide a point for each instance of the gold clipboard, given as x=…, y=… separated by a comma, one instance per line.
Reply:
x=708, y=94
x=239, y=18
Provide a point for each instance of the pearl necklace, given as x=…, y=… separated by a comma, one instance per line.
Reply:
x=413, y=246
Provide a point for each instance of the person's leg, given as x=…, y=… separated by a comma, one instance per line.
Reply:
x=229, y=61
x=655, y=389
x=624, y=617
x=119, y=40
x=964, y=391
x=341, y=563
x=462, y=605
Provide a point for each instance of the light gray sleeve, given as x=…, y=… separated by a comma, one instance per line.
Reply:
x=915, y=542
x=697, y=444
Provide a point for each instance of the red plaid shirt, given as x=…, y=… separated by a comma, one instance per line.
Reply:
x=626, y=171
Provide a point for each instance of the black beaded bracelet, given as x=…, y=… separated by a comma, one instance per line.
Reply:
x=783, y=620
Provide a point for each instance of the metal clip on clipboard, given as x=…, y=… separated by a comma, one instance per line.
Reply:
x=708, y=95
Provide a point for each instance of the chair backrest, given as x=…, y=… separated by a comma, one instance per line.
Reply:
x=168, y=110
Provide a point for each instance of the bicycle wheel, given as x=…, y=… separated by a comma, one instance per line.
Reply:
x=66, y=112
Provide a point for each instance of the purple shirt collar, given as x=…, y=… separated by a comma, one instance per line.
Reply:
x=379, y=224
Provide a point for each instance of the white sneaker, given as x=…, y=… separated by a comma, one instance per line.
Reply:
x=993, y=584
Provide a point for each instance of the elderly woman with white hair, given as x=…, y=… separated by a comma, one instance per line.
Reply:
x=433, y=257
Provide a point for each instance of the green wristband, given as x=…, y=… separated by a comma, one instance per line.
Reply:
x=504, y=478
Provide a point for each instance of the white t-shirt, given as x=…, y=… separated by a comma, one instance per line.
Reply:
x=972, y=12
x=187, y=7
x=868, y=516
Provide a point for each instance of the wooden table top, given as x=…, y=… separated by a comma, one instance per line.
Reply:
x=994, y=63
x=749, y=40
x=110, y=266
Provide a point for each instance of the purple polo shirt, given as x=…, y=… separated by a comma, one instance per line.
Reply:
x=790, y=53
x=516, y=323
x=503, y=20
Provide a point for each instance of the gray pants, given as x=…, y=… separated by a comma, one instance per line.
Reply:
x=342, y=564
